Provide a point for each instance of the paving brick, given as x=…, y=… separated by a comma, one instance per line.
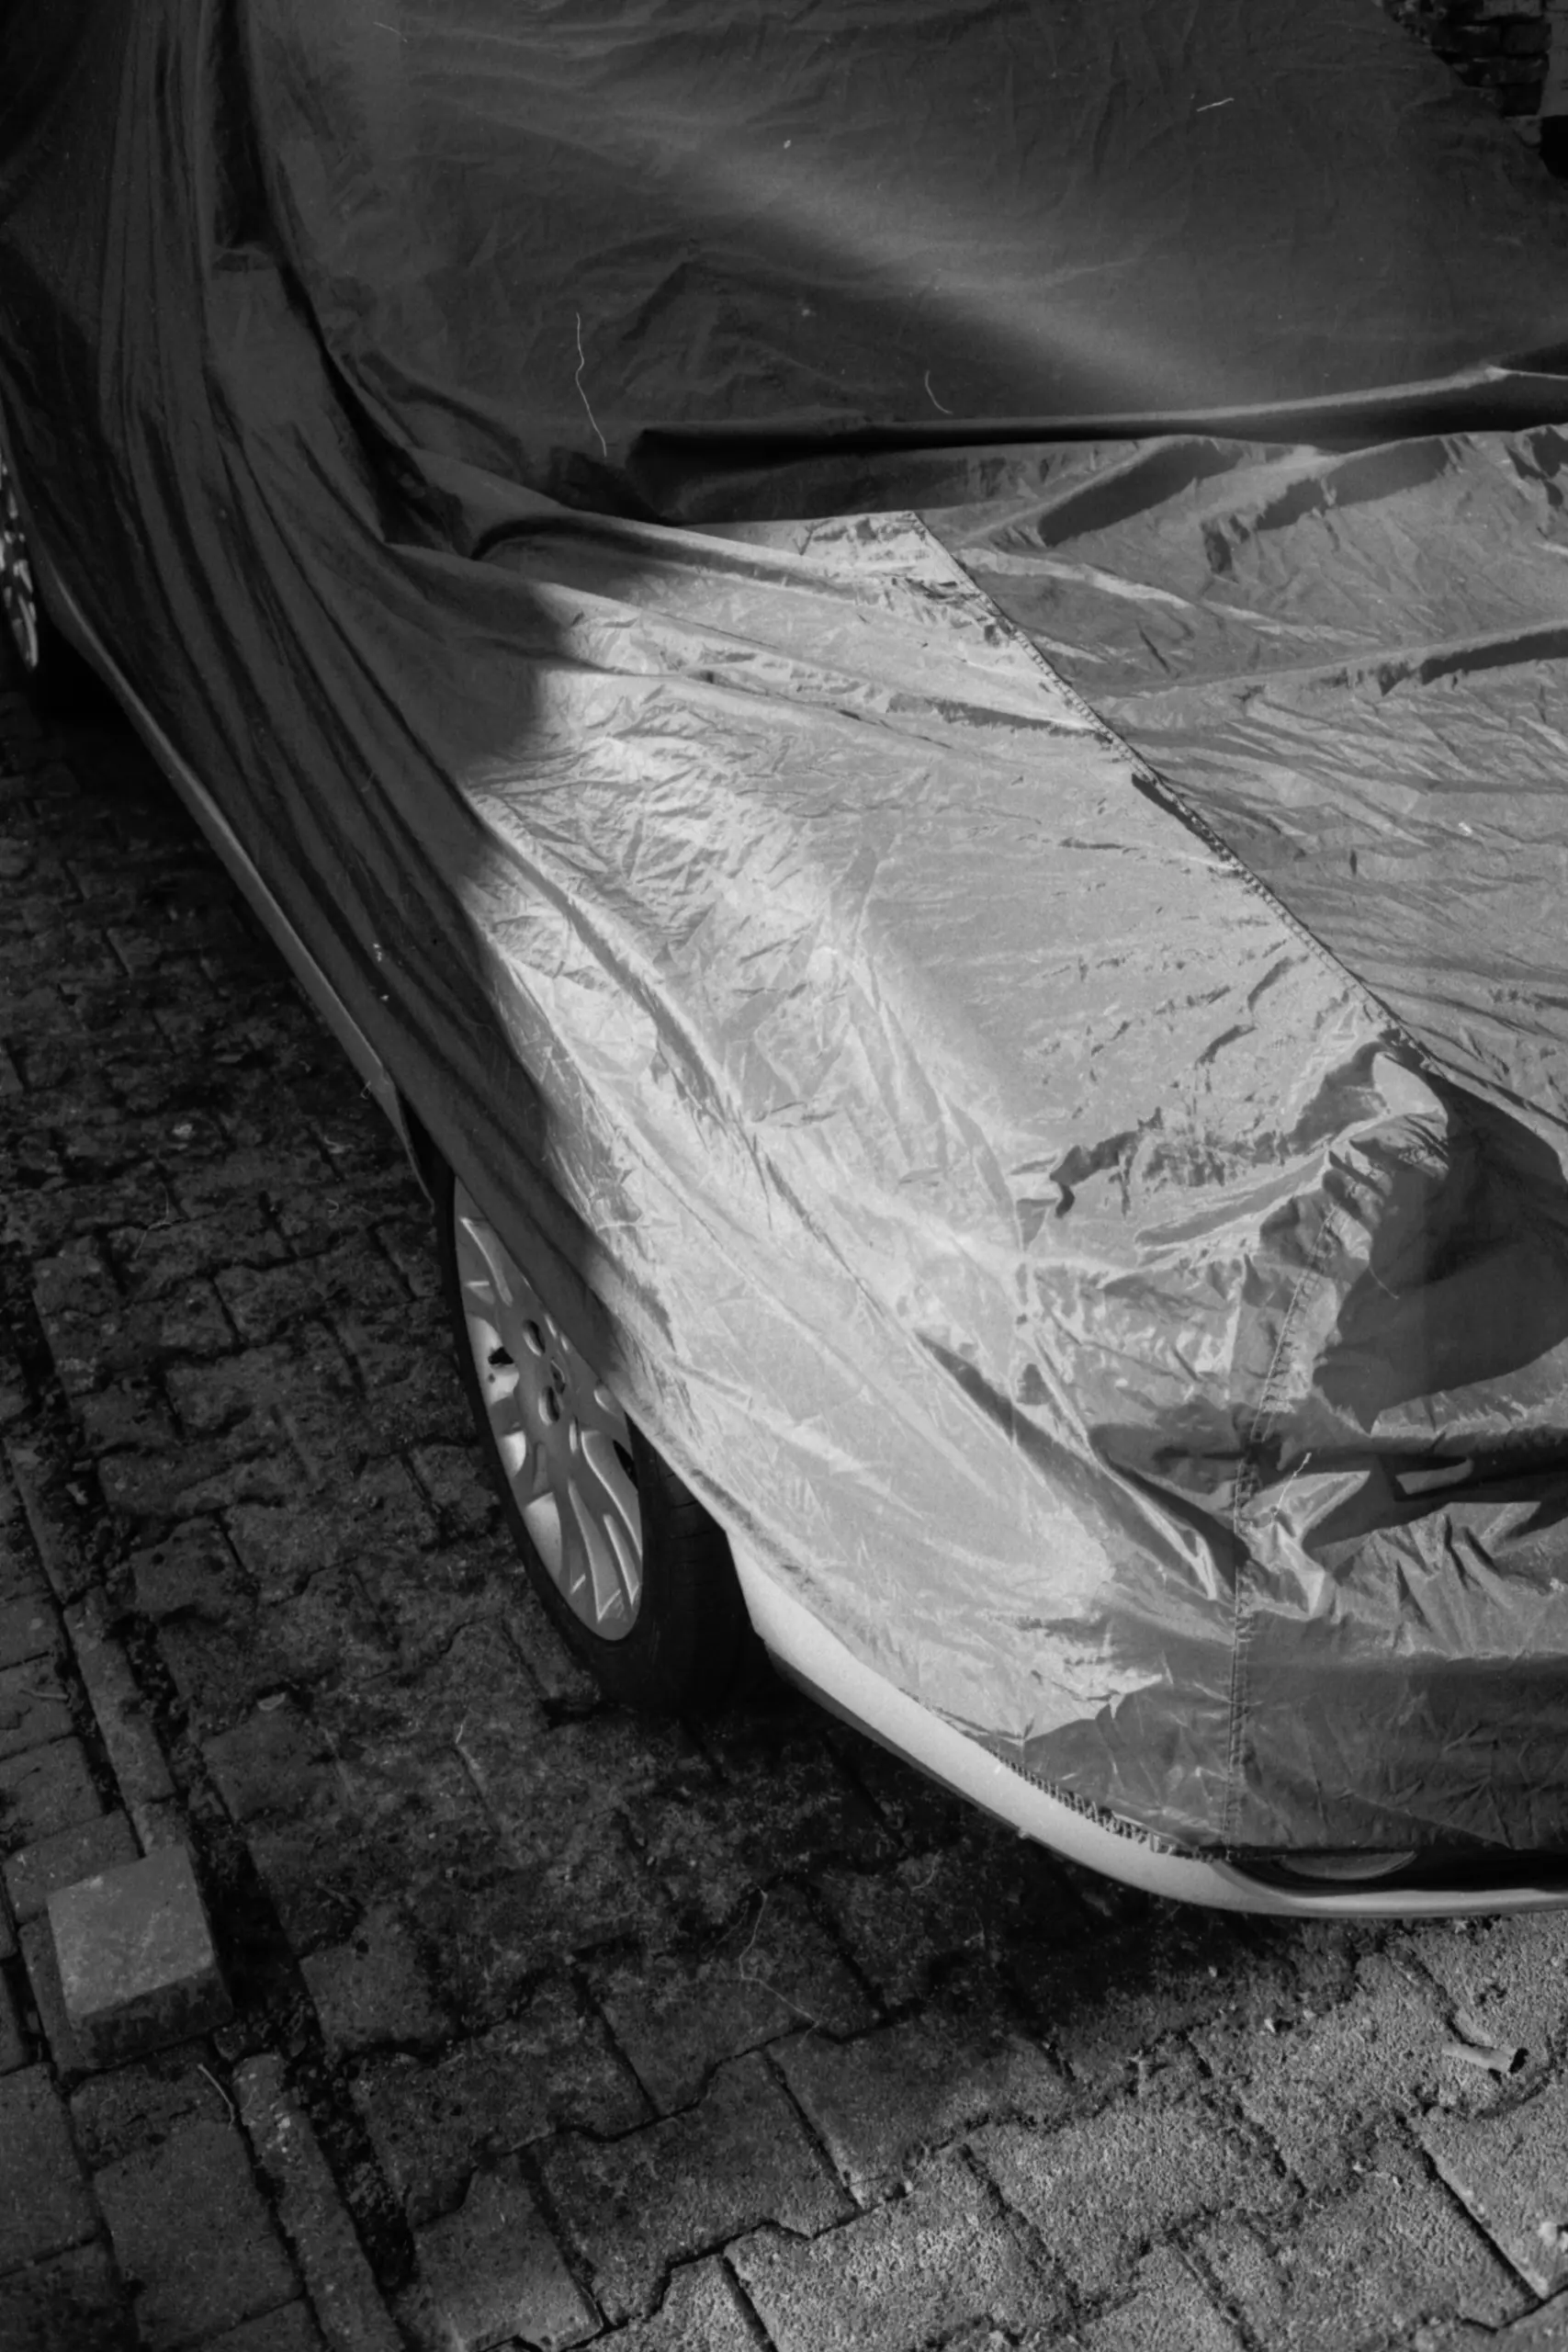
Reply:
x=679, y=2016
x=300, y=1394
x=282, y=1544
x=29, y=1628
x=1322, y=2088
x=123, y=1717
x=44, y=2204
x=557, y=1797
x=1507, y=1978
x=374, y=1988
x=878, y=2101
x=337, y=2276
x=1169, y=2313
x=135, y=2107
x=192, y=2237
x=492, y=2271
x=34, y=1707
x=1364, y=2269
x=784, y=1807
x=135, y=1958
x=1511, y=2170
x=1111, y=2002
x=157, y=1258
x=43, y=1791
x=1101, y=2191
x=272, y=1763
x=905, y=1925
x=266, y=1301
x=454, y=1478
x=636, y=2205
x=701, y=2307
x=53, y=1518
x=33, y=1874
x=908, y=2273
x=70, y=2303
x=194, y=1571
x=547, y=2069
x=290, y=2328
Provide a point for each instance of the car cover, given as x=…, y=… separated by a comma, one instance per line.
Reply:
x=1003, y=975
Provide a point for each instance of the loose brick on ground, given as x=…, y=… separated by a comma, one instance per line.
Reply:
x=547, y=2069
x=909, y=2273
x=677, y=2017
x=192, y=2235
x=1364, y=2269
x=32, y=1875
x=72, y=2303
x=491, y=2272
x=44, y=2205
x=136, y=1960
x=1101, y=2190
x=637, y=2205
x=43, y=1984
x=329, y=2253
x=879, y=2101
x=43, y=1791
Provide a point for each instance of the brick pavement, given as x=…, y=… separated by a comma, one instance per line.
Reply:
x=550, y=2027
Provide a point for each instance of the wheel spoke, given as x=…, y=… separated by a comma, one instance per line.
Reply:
x=562, y=1441
x=18, y=591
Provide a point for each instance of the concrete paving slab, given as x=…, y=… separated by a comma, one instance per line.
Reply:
x=136, y=1958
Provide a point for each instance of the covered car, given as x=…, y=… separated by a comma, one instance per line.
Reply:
x=898, y=672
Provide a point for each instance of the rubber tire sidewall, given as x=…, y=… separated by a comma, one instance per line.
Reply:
x=691, y=1647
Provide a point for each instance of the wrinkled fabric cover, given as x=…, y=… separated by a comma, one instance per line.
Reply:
x=530, y=234
x=1126, y=1332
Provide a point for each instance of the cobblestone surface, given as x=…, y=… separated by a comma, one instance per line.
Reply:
x=551, y=2027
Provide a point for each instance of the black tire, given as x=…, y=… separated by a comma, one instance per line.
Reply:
x=690, y=1647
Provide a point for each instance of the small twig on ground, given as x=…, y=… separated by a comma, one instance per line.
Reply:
x=1505, y=2061
x=228, y=2102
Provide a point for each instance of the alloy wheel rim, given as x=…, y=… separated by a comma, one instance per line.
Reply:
x=563, y=1443
x=18, y=591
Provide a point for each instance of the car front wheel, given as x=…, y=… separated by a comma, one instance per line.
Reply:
x=631, y=1570
x=58, y=679
x=18, y=589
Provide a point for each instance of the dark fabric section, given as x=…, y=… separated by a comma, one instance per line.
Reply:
x=528, y=236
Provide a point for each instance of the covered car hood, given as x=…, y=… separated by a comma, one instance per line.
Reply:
x=1132, y=1334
